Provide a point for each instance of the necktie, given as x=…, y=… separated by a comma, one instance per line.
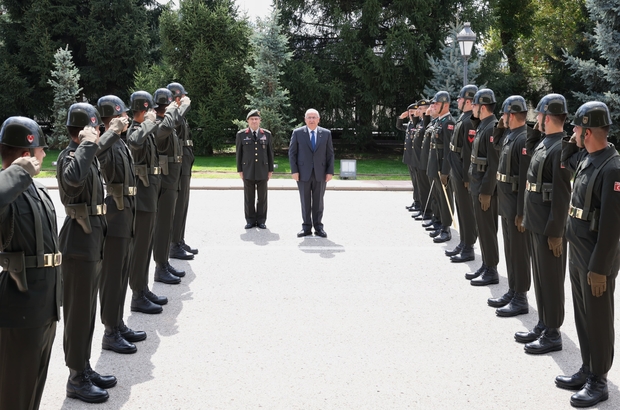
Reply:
x=313, y=140
x=254, y=133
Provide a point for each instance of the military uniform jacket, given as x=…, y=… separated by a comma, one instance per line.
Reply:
x=442, y=134
x=141, y=141
x=117, y=168
x=408, y=155
x=459, y=150
x=513, y=154
x=484, y=182
x=79, y=181
x=40, y=304
x=254, y=156
x=185, y=140
x=425, y=136
x=601, y=237
x=542, y=216
x=168, y=145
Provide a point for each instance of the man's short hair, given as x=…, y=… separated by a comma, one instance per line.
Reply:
x=312, y=111
x=520, y=116
x=11, y=153
x=74, y=132
x=557, y=120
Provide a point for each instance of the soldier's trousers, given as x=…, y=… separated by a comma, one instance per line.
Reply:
x=425, y=189
x=444, y=204
x=163, y=225
x=594, y=316
x=255, y=211
x=414, y=182
x=180, y=213
x=113, y=280
x=487, y=224
x=25, y=356
x=465, y=212
x=142, y=249
x=80, y=285
x=548, y=275
x=517, y=255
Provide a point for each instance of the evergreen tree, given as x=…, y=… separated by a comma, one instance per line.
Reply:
x=601, y=75
x=66, y=88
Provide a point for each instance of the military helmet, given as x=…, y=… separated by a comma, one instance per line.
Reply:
x=514, y=104
x=141, y=101
x=176, y=89
x=162, y=97
x=552, y=104
x=83, y=115
x=484, y=96
x=22, y=132
x=111, y=106
x=468, y=92
x=441, y=97
x=593, y=114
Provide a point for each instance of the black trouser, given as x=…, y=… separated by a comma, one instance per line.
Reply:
x=25, y=357
x=180, y=213
x=414, y=182
x=465, y=212
x=142, y=248
x=442, y=202
x=255, y=212
x=425, y=189
x=487, y=224
x=548, y=274
x=163, y=224
x=594, y=316
x=80, y=284
x=517, y=255
x=311, y=194
x=113, y=280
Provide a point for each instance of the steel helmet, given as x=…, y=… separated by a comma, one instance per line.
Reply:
x=514, y=104
x=111, y=106
x=22, y=132
x=141, y=101
x=162, y=97
x=468, y=92
x=484, y=97
x=83, y=115
x=176, y=89
x=552, y=104
x=593, y=114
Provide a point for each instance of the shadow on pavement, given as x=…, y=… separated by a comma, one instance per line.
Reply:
x=324, y=247
x=260, y=237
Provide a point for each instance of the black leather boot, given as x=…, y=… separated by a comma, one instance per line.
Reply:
x=593, y=392
x=575, y=381
x=517, y=306
x=176, y=272
x=531, y=335
x=435, y=233
x=435, y=226
x=444, y=236
x=466, y=255
x=79, y=386
x=115, y=342
x=177, y=252
x=456, y=250
x=158, y=300
x=549, y=341
x=163, y=275
x=188, y=248
x=429, y=223
x=103, y=382
x=472, y=275
x=488, y=277
x=422, y=217
x=502, y=300
x=140, y=303
x=132, y=336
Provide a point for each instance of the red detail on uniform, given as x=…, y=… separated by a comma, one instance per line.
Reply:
x=617, y=186
x=491, y=139
x=562, y=165
x=146, y=105
x=30, y=138
x=472, y=132
x=93, y=120
x=247, y=131
x=450, y=126
x=524, y=151
x=470, y=139
x=117, y=107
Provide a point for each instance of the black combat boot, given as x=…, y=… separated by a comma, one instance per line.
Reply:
x=163, y=275
x=502, y=300
x=593, y=392
x=114, y=341
x=177, y=252
x=140, y=303
x=444, y=236
x=132, y=336
x=480, y=271
x=176, y=272
x=159, y=300
x=456, y=250
x=517, y=306
x=79, y=386
x=549, y=341
x=488, y=277
x=466, y=255
x=103, y=382
x=188, y=248
x=575, y=381
x=531, y=335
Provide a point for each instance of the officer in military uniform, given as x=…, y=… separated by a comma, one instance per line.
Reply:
x=81, y=242
x=420, y=153
x=170, y=161
x=593, y=232
x=178, y=248
x=511, y=179
x=547, y=198
x=482, y=186
x=30, y=281
x=459, y=158
x=427, y=158
x=118, y=173
x=255, y=166
x=141, y=139
x=408, y=154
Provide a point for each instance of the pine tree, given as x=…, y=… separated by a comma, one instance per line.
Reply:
x=66, y=88
x=602, y=75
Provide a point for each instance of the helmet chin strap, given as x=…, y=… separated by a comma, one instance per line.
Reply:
x=31, y=150
x=479, y=109
x=582, y=136
x=542, y=126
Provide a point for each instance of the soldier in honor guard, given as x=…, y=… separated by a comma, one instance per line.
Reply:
x=408, y=154
x=593, y=233
x=459, y=158
x=547, y=198
x=255, y=167
x=81, y=242
x=170, y=161
x=421, y=160
x=178, y=248
x=141, y=138
x=482, y=186
x=30, y=281
x=511, y=179
x=428, y=158
x=118, y=174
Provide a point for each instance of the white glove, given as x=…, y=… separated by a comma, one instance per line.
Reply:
x=186, y=101
x=88, y=134
x=150, y=115
x=30, y=164
x=119, y=124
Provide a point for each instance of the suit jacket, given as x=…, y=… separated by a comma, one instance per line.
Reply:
x=254, y=158
x=304, y=161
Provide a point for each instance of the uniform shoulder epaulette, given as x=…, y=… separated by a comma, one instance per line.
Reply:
x=264, y=130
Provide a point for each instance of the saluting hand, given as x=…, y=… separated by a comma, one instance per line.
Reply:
x=89, y=134
x=404, y=115
x=598, y=283
x=30, y=164
x=150, y=115
x=119, y=124
x=185, y=101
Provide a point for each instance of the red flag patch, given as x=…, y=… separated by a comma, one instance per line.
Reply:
x=617, y=186
x=491, y=139
x=450, y=126
x=472, y=132
x=524, y=151
x=30, y=138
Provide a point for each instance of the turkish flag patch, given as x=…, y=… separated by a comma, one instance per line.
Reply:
x=617, y=186
x=491, y=139
x=524, y=151
x=146, y=105
x=30, y=138
x=93, y=120
x=117, y=107
x=450, y=127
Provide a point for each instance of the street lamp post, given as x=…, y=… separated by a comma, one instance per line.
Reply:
x=466, y=39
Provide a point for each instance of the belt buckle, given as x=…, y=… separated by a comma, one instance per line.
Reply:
x=48, y=260
x=131, y=190
x=156, y=170
x=102, y=209
x=57, y=259
x=189, y=143
x=179, y=158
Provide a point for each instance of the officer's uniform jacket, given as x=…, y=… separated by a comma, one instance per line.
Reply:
x=512, y=172
x=80, y=183
x=254, y=156
x=169, y=149
x=22, y=201
x=427, y=132
x=408, y=154
x=440, y=146
x=484, y=159
x=459, y=148
x=185, y=140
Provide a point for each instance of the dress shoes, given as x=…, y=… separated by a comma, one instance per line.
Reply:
x=249, y=226
x=261, y=226
x=176, y=272
x=575, y=381
x=467, y=254
x=530, y=336
x=188, y=248
x=593, y=392
x=456, y=250
x=321, y=233
x=177, y=252
x=140, y=303
x=517, y=306
x=549, y=341
x=444, y=236
x=435, y=233
x=114, y=341
x=132, y=336
x=422, y=217
x=158, y=300
x=434, y=226
x=472, y=275
x=488, y=277
x=416, y=214
x=429, y=223
x=502, y=300
x=80, y=386
x=303, y=233
x=103, y=382
x=162, y=275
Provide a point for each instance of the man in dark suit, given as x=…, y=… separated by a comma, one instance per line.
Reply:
x=255, y=166
x=311, y=154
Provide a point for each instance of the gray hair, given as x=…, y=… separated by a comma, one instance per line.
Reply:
x=312, y=111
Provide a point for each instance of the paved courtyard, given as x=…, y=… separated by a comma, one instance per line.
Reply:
x=373, y=317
